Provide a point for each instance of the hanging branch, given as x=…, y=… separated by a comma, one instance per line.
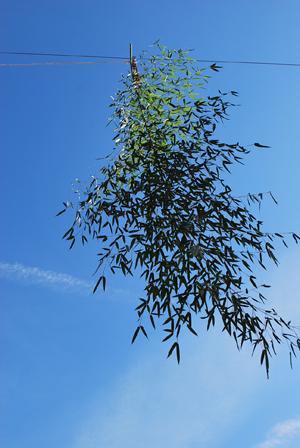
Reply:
x=163, y=209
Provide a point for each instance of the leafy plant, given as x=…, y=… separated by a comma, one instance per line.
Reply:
x=161, y=207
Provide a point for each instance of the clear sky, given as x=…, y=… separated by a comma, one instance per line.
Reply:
x=69, y=376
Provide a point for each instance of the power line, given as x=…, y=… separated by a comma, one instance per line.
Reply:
x=282, y=64
x=125, y=59
x=64, y=55
x=49, y=63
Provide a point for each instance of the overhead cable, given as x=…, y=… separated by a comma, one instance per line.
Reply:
x=126, y=59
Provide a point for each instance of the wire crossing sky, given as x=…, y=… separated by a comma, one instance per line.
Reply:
x=123, y=58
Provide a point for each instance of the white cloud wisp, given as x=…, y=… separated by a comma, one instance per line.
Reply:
x=37, y=276
x=156, y=403
x=281, y=434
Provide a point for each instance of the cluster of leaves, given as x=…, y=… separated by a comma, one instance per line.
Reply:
x=162, y=208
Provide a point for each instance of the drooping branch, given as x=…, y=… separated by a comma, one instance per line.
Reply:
x=164, y=209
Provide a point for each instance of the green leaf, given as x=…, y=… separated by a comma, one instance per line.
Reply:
x=252, y=278
x=144, y=331
x=192, y=330
x=61, y=212
x=101, y=279
x=135, y=334
x=276, y=202
x=258, y=145
x=173, y=347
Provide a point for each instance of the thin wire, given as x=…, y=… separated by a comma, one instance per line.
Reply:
x=282, y=64
x=65, y=55
x=49, y=63
x=95, y=56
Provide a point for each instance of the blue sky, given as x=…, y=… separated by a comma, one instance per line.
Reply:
x=69, y=376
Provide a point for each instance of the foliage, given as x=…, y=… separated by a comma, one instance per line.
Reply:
x=162, y=208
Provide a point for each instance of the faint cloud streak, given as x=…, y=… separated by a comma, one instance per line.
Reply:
x=37, y=276
x=157, y=403
x=281, y=434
